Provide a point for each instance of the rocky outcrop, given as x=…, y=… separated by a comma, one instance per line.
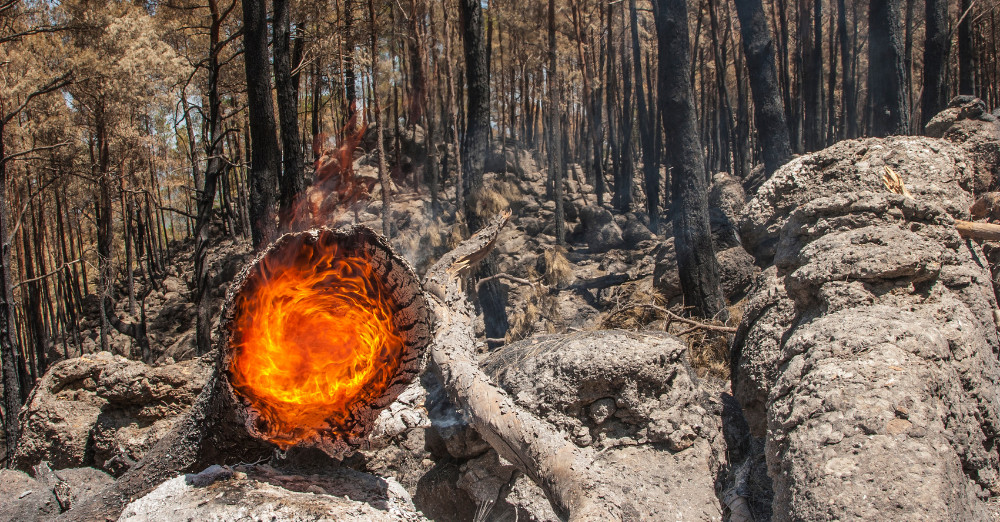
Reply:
x=263, y=493
x=934, y=170
x=968, y=124
x=632, y=396
x=104, y=411
x=46, y=494
x=598, y=229
x=868, y=354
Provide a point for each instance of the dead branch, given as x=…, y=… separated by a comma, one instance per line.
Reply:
x=696, y=325
x=978, y=231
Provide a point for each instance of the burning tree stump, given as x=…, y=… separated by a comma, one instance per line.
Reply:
x=320, y=332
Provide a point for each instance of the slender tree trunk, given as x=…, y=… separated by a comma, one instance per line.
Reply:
x=493, y=295
x=698, y=268
x=850, y=112
x=769, y=114
x=291, y=181
x=10, y=353
x=555, y=135
x=104, y=231
x=647, y=132
x=383, y=172
x=886, y=76
x=265, y=162
x=206, y=201
x=347, y=67
x=965, y=56
x=936, y=47
x=624, y=182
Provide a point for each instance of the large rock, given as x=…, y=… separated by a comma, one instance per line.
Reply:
x=933, y=170
x=868, y=353
x=104, y=411
x=23, y=498
x=967, y=123
x=727, y=194
x=599, y=230
x=48, y=493
x=261, y=493
x=632, y=396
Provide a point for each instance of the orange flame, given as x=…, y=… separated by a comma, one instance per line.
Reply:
x=335, y=189
x=313, y=336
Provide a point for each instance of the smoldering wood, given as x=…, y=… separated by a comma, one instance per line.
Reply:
x=218, y=429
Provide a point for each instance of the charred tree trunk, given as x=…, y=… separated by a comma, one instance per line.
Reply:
x=206, y=199
x=10, y=353
x=555, y=134
x=383, y=172
x=769, y=114
x=292, y=181
x=265, y=163
x=965, y=57
x=936, y=47
x=493, y=296
x=698, y=268
x=350, y=81
x=647, y=131
x=850, y=112
x=886, y=77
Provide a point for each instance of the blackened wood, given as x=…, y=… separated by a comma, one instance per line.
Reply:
x=698, y=268
x=769, y=113
x=474, y=150
x=292, y=180
x=936, y=47
x=265, y=160
x=886, y=77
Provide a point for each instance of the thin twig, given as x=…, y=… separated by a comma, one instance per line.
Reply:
x=50, y=274
x=508, y=277
x=695, y=324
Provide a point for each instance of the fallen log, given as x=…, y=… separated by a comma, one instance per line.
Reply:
x=567, y=473
x=320, y=332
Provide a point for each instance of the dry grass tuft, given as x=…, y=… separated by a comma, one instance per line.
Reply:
x=539, y=314
x=708, y=350
x=488, y=201
x=558, y=271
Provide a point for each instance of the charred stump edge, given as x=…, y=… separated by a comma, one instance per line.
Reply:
x=409, y=306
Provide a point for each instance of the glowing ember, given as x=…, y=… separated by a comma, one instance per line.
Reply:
x=313, y=335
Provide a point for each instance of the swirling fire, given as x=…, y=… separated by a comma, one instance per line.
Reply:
x=313, y=334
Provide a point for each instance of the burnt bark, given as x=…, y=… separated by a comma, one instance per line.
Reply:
x=292, y=181
x=850, y=112
x=886, y=74
x=647, y=131
x=555, y=135
x=10, y=353
x=936, y=47
x=769, y=112
x=965, y=56
x=493, y=296
x=206, y=198
x=697, y=266
x=265, y=163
